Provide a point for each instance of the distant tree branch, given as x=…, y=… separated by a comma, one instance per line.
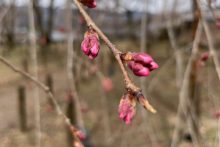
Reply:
x=46, y=89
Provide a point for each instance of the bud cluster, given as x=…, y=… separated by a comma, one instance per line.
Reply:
x=140, y=63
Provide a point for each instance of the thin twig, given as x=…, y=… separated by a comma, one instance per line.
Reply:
x=3, y=14
x=212, y=49
x=129, y=85
x=44, y=88
x=71, y=54
x=213, y=52
x=112, y=47
x=174, y=45
x=184, y=92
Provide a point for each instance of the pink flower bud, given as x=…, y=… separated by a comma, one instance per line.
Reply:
x=90, y=45
x=153, y=66
x=127, y=108
x=142, y=58
x=135, y=66
x=205, y=56
x=80, y=135
x=141, y=64
x=143, y=72
x=217, y=114
x=107, y=84
x=89, y=3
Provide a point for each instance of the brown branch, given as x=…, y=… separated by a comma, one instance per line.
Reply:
x=129, y=85
x=45, y=89
x=209, y=37
x=115, y=51
x=184, y=98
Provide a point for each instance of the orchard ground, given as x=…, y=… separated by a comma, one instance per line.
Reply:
x=160, y=87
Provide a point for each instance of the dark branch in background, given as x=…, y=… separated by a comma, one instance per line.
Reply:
x=50, y=21
x=129, y=85
x=44, y=32
x=38, y=16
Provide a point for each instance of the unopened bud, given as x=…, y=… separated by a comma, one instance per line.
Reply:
x=89, y=3
x=127, y=108
x=141, y=64
x=90, y=45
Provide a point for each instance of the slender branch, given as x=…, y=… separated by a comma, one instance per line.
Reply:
x=3, y=14
x=212, y=50
x=208, y=34
x=45, y=89
x=174, y=45
x=70, y=66
x=184, y=92
x=128, y=83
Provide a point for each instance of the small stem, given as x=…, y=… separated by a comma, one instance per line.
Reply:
x=117, y=53
x=44, y=88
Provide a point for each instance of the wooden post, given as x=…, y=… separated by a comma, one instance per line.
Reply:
x=49, y=83
x=22, y=108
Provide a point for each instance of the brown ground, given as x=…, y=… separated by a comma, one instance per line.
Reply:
x=155, y=131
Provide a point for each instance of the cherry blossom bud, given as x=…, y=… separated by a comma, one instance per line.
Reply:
x=127, y=108
x=141, y=64
x=205, y=56
x=138, y=69
x=90, y=45
x=107, y=84
x=153, y=66
x=217, y=23
x=142, y=58
x=80, y=135
x=89, y=3
x=217, y=114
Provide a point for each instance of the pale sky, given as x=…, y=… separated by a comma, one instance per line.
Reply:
x=154, y=6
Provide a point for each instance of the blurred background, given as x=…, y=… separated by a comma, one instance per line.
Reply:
x=43, y=38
